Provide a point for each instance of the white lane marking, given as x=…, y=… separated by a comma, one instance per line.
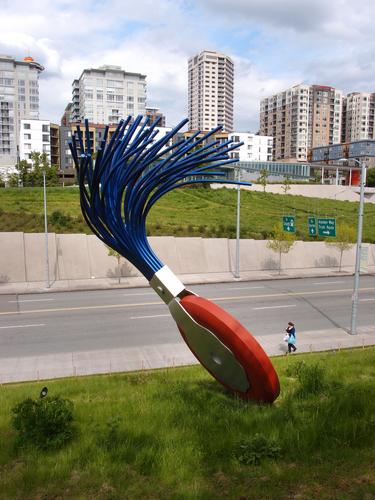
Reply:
x=273, y=307
x=21, y=326
x=29, y=300
x=159, y=303
x=244, y=287
x=153, y=316
x=326, y=282
x=366, y=300
x=135, y=294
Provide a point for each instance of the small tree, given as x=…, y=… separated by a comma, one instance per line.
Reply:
x=263, y=177
x=281, y=242
x=22, y=178
x=113, y=253
x=344, y=240
x=13, y=180
x=370, y=179
x=31, y=174
x=286, y=184
x=317, y=176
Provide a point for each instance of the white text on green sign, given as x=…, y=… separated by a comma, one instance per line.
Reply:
x=327, y=227
x=289, y=223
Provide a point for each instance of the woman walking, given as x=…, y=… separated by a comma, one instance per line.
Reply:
x=291, y=332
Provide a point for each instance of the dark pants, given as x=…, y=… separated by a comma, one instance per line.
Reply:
x=291, y=347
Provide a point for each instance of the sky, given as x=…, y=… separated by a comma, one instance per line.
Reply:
x=274, y=44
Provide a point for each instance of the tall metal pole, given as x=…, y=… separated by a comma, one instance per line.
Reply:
x=237, y=269
x=353, y=326
x=46, y=230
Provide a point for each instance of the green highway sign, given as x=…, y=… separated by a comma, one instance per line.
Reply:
x=327, y=227
x=312, y=226
x=289, y=223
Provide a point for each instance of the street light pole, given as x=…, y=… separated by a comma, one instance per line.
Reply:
x=357, y=266
x=353, y=325
x=46, y=229
x=237, y=265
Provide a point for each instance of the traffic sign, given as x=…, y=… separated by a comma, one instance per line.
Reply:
x=289, y=223
x=327, y=227
x=312, y=226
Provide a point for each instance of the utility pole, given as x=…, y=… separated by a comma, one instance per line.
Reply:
x=237, y=266
x=46, y=229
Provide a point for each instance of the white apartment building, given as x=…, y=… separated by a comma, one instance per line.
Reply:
x=255, y=147
x=34, y=136
x=107, y=94
x=300, y=118
x=210, y=91
x=358, y=116
x=19, y=99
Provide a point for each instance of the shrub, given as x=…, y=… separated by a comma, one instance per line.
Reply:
x=47, y=423
x=60, y=219
x=311, y=378
x=257, y=448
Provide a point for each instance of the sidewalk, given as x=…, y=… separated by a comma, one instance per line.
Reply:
x=187, y=279
x=148, y=357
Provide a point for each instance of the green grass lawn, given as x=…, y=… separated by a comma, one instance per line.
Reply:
x=176, y=433
x=184, y=212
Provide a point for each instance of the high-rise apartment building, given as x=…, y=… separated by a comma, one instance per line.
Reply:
x=300, y=118
x=210, y=92
x=107, y=94
x=19, y=99
x=358, y=116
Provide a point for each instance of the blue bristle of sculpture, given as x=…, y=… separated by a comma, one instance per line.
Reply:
x=132, y=172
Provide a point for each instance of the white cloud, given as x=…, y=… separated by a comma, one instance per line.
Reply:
x=252, y=85
x=274, y=45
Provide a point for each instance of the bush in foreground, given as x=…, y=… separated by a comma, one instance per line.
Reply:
x=46, y=423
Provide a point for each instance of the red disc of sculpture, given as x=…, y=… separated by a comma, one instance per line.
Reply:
x=263, y=380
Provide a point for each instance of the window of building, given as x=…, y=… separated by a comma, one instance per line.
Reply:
x=45, y=138
x=27, y=136
x=26, y=126
x=45, y=128
x=8, y=82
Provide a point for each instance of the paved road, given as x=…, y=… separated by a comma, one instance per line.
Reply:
x=69, y=322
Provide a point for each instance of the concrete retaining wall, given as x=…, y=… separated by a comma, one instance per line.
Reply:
x=79, y=256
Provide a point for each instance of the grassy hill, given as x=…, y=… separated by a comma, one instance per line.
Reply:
x=184, y=212
x=176, y=434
